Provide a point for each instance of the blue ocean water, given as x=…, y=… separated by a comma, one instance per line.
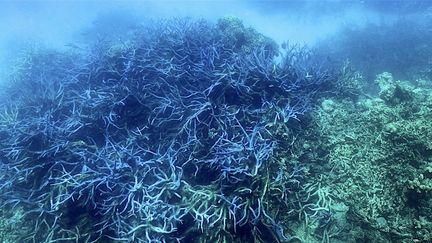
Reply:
x=216, y=121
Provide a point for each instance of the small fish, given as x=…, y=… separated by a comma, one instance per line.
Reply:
x=73, y=46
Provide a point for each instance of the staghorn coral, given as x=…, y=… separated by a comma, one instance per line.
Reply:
x=169, y=137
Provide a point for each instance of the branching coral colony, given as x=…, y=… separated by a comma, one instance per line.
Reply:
x=167, y=137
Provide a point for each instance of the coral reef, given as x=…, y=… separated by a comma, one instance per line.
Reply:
x=175, y=135
x=191, y=131
x=379, y=155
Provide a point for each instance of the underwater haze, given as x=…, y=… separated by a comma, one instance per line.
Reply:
x=59, y=23
x=216, y=121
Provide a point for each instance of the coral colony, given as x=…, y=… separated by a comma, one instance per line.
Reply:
x=170, y=136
